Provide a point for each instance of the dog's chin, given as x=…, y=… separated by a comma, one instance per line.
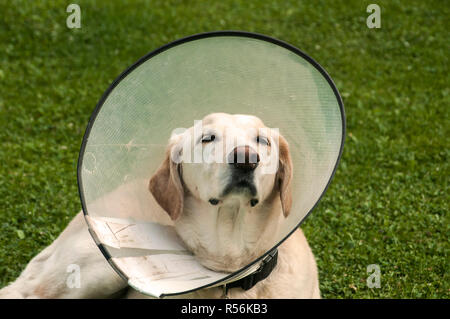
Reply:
x=224, y=214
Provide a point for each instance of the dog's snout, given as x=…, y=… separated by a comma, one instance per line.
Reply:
x=243, y=158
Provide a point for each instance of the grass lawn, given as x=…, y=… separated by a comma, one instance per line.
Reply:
x=388, y=203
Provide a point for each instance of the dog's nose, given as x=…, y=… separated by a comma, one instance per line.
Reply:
x=243, y=158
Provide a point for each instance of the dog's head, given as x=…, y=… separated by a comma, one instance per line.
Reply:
x=226, y=182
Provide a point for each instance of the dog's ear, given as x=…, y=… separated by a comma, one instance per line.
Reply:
x=284, y=176
x=166, y=185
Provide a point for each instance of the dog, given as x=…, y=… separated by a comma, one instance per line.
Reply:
x=227, y=212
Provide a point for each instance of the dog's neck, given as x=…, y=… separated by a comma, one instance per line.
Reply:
x=228, y=237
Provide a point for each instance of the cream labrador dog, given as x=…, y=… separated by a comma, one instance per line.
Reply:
x=225, y=185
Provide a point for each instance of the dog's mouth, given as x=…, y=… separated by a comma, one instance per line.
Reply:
x=240, y=186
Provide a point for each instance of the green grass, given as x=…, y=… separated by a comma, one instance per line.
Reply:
x=388, y=203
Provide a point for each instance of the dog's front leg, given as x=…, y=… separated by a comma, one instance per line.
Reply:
x=71, y=267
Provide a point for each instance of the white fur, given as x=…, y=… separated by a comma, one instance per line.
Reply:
x=224, y=237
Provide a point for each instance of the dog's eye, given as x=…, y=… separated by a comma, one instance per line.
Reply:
x=262, y=140
x=208, y=138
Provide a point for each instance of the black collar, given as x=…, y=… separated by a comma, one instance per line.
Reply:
x=267, y=265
